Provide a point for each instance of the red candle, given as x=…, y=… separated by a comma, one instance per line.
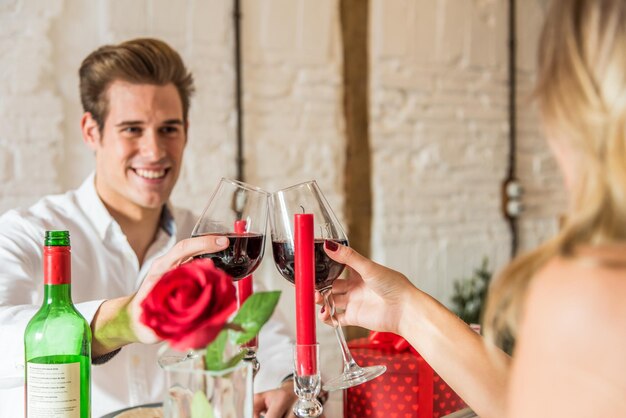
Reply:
x=244, y=286
x=304, y=269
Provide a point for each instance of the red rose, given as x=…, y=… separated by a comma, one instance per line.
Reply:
x=190, y=304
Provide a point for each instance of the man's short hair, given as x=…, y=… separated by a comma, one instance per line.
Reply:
x=141, y=61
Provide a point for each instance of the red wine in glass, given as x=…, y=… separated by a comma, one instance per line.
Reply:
x=241, y=257
x=326, y=269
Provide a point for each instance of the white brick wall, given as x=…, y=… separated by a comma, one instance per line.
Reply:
x=544, y=198
x=438, y=114
x=439, y=130
x=31, y=112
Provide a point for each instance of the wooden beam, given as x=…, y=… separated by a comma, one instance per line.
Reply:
x=354, y=30
x=354, y=15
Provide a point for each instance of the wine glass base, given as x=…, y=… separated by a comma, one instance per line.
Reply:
x=354, y=377
x=307, y=408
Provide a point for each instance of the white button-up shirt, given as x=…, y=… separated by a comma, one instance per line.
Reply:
x=104, y=266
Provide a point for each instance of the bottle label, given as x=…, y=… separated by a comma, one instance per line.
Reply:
x=53, y=390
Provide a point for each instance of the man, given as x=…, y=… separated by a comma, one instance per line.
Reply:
x=124, y=233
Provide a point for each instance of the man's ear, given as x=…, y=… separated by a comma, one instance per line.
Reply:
x=90, y=130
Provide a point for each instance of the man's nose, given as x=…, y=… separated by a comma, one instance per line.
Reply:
x=151, y=145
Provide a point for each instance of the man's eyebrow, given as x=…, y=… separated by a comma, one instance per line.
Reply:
x=173, y=122
x=129, y=123
x=139, y=122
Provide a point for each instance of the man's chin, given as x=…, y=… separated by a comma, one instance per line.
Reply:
x=155, y=205
x=151, y=202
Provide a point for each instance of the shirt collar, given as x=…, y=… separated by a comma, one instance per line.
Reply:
x=93, y=207
x=100, y=217
x=167, y=221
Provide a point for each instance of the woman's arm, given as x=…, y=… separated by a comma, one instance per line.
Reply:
x=477, y=372
x=381, y=299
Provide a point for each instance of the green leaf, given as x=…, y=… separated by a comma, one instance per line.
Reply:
x=253, y=314
x=214, y=356
x=234, y=360
x=200, y=406
x=469, y=294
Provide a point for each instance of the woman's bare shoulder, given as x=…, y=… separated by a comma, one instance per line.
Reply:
x=578, y=292
x=572, y=339
x=580, y=308
x=580, y=289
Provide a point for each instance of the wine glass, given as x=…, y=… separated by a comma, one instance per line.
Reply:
x=237, y=211
x=308, y=198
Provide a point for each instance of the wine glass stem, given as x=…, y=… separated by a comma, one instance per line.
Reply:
x=348, y=361
x=249, y=349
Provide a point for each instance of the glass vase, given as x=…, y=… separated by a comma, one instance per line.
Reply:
x=194, y=392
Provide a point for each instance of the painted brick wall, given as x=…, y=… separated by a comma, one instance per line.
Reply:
x=31, y=110
x=439, y=132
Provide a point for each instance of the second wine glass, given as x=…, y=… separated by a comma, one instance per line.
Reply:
x=308, y=198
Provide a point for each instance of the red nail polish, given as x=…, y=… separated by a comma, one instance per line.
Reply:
x=331, y=245
x=323, y=309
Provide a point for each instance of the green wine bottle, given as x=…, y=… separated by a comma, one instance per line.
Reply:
x=57, y=342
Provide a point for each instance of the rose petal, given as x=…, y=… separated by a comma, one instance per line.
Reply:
x=190, y=304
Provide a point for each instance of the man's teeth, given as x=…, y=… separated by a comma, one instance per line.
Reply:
x=150, y=174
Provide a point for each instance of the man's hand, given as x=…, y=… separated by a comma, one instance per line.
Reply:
x=117, y=321
x=275, y=403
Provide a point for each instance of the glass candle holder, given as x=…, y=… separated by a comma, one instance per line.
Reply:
x=307, y=380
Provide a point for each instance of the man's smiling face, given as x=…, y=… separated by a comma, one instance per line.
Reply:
x=140, y=149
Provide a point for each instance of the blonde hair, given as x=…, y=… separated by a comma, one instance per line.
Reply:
x=581, y=91
x=141, y=61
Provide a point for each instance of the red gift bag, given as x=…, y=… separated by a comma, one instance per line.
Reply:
x=408, y=389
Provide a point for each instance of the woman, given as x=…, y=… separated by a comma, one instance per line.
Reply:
x=564, y=303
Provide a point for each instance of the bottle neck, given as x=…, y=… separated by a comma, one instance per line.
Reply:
x=57, y=294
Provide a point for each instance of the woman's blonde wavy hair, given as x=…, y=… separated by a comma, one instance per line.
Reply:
x=581, y=91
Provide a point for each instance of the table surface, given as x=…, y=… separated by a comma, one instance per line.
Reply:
x=116, y=413
x=463, y=413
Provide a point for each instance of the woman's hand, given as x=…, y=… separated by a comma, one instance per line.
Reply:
x=371, y=296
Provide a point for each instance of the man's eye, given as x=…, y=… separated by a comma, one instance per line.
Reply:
x=169, y=130
x=131, y=130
